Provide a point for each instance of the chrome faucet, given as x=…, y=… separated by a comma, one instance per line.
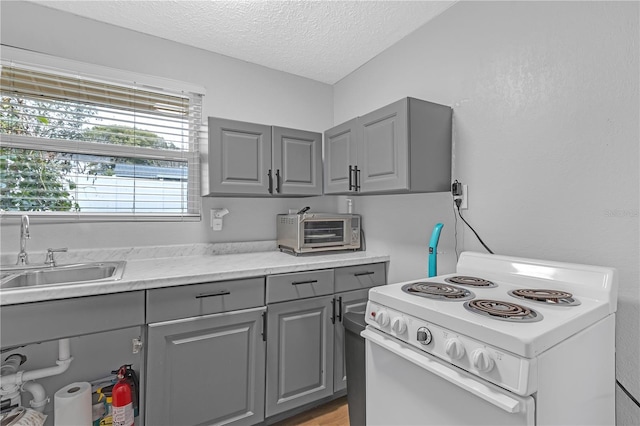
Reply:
x=23, y=258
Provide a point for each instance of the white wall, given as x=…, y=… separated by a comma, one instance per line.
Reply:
x=546, y=131
x=235, y=89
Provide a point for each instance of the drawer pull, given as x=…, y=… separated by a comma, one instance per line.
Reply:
x=304, y=282
x=214, y=294
x=359, y=274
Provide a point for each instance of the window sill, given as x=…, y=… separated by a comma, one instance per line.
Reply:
x=61, y=217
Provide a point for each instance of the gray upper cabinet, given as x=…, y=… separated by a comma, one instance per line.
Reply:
x=239, y=158
x=259, y=160
x=400, y=148
x=340, y=157
x=297, y=161
x=384, y=152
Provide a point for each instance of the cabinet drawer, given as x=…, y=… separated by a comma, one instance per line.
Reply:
x=299, y=285
x=202, y=299
x=56, y=319
x=362, y=276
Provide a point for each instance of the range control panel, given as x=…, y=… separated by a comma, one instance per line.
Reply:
x=492, y=364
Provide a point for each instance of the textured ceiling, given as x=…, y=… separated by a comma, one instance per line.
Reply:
x=321, y=40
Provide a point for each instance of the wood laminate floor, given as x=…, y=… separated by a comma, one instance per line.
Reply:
x=334, y=413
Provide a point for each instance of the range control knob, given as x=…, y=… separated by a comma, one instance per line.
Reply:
x=382, y=319
x=454, y=348
x=424, y=335
x=482, y=360
x=398, y=325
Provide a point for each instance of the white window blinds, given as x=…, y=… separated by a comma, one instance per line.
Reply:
x=84, y=147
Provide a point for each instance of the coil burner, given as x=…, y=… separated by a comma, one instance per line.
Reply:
x=550, y=297
x=470, y=281
x=505, y=311
x=438, y=291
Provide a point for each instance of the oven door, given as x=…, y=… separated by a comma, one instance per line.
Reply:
x=324, y=232
x=406, y=386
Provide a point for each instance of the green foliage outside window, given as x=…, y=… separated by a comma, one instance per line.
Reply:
x=32, y=180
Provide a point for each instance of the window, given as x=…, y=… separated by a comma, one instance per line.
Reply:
x=84, y=147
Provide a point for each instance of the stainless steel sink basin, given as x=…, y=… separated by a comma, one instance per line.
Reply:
x=63, y=274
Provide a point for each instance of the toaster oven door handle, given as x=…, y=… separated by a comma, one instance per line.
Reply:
x=497, y=398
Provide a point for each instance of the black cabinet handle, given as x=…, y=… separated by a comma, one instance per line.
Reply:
x=214, y=294
x=333, y=310
x=350, y=177
x=357, y=179
x=270, y=181
x=264, y=326
x=339, y=308
x=304, y=282
x=359, y=274
x=278, y=181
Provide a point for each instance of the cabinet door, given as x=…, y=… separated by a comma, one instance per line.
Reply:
x=383, y=153
x=94, y=356
x=207, y=370
x=239, y=157
x=340, y=152
x=297, y=162
x=349, y=301
x=299, y=353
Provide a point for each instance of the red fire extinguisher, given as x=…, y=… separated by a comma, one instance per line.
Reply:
x=122, y=401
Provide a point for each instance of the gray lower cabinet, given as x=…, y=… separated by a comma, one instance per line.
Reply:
x=352, y=284
x=206, y=354
x=299, y=353
x=254, y=159
x=206, y=370
x=102, y=332
x=305, y=335
x=349, y=301
x=299, y=339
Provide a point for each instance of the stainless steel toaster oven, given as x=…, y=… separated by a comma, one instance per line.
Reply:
x=315, y=232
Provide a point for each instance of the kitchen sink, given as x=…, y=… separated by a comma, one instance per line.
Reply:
x=62, y=274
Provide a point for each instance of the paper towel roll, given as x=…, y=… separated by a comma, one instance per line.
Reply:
x=72, y=405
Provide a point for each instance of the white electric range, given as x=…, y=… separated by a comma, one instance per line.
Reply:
x=503, y=340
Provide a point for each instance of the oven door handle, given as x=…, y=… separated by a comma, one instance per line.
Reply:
x=500, y=400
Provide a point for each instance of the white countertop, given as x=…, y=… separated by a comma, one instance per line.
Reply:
x=142, y=274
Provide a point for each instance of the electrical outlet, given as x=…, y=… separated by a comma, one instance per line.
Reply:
x=464, y=197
